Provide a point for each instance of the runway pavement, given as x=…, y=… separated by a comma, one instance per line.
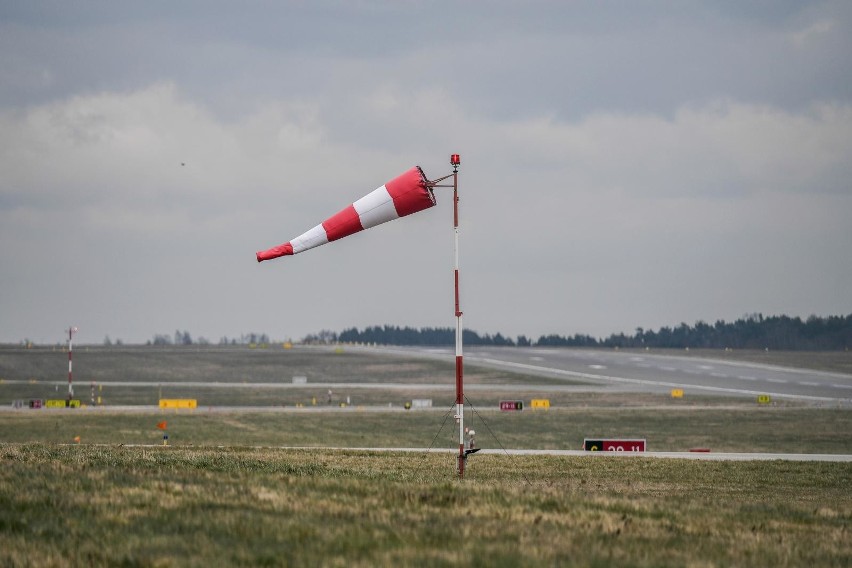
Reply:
x=649, y=372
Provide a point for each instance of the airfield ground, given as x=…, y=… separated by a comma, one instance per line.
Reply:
x=181, y=506
x=213, y=497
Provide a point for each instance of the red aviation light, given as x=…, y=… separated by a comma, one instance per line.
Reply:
x=455, y=160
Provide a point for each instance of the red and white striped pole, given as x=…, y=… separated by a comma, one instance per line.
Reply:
x=71, y=331
x=455, y=160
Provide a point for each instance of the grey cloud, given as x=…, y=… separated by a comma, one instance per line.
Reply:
x=623, y=165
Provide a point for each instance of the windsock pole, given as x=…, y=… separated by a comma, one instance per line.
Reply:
x=455, y=161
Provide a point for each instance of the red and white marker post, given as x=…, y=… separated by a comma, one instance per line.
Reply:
x=71, y=331
x=455, y=160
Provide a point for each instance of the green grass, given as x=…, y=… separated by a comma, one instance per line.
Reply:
x=95, y=506
x=745, y=429
x=234, y=364
x=224, y=492
x=222, y=372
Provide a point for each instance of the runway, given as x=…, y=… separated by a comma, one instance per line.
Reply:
x=649, y=372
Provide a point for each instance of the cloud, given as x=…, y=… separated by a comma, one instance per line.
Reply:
x=812, y=32
x=154, y=149
x=593, y=225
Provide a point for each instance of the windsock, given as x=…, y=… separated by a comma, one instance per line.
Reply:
x=403, y=195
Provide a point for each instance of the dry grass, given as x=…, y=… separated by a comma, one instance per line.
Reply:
x=193, y=504
x=191, y=507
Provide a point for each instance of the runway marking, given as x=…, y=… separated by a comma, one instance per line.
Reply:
x=597, y=367
x=842, y=386
x=668, y=368
x=809, y=384
x=747, y=378
x=667, y=384
x=776, y=381
x=719, y=375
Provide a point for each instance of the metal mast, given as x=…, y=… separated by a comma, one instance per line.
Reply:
x=456, y=161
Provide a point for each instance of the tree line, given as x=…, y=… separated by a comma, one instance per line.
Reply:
x=783, y=333
x=185, y=338
x=754, y=331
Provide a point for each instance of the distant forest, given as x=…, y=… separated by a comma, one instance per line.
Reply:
x=185, y=338
x=785, y=333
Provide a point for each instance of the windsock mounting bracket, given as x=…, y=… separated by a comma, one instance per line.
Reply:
x=436, y=183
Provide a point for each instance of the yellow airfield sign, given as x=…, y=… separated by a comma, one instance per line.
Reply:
x=540, y=403
x=178, y=403
x=62, y=403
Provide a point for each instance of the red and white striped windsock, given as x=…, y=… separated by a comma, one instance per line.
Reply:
x=403, y=195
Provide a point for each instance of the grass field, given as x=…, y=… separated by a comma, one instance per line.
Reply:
x=234, y=364
x=98, y=506
x=225, y=492
x=747, y=429
x=720, y=423
x=141, y=375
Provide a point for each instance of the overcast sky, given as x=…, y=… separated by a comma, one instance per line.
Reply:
x=624, y=164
